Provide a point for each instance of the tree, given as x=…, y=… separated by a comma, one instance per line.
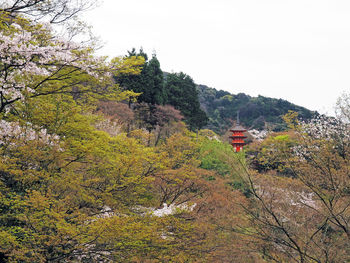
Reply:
x=69, y=191
x=343, y=108
x=179, y=182
x=306, y=219
x=270, y=154
x=35, y=63
x=149, y=82
x=168, y=122
x=55, y=12
x=255, y=112
x=157, y=94
x=182, y=94
x=58, y=175
x=118, y=117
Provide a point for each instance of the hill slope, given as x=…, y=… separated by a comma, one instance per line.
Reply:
x=255, y=112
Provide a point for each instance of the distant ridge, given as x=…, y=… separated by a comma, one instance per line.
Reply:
x=261, y=113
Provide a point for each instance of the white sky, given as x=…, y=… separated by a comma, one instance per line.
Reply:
x=298, y=50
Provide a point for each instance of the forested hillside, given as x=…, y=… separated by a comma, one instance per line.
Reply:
x=105, y=161
x=158, y=88
x=202, y=106
x=255, y=112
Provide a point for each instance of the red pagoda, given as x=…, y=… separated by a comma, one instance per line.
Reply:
x=238, y=136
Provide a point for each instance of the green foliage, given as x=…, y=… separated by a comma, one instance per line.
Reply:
x=149, y=83
x=272, y=153
x=255, y=112
x=54, y=196
x=212, y=153
x=219, y=157
x=71, y=192
x=182, y=94
x=156, y=87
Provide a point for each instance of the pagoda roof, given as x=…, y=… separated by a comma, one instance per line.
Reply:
x=238, y=128
x=238, y=143
x=238, y=137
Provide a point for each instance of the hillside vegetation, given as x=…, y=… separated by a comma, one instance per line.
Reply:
x=97, y=171
x=158, y=88
x=204, y=107
x=258, y=113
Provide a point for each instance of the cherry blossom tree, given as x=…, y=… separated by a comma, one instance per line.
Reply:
x=343, y=107
x=307, y=218
x=34, y=62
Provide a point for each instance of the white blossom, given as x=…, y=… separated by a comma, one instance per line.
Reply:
x=258, y=135
x=26, y=54
x=172, y=209
x=11, y=133
x=320, y=130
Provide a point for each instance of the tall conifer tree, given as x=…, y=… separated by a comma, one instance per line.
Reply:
x=149, y=82
x=183, y=95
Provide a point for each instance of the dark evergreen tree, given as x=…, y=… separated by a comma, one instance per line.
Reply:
x=183, y=95
x=156, y=91
x=149, y=83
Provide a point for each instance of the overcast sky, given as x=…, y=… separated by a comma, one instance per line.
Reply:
x=298, y=50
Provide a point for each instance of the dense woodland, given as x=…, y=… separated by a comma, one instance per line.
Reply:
x=107, y=160
x=255, y=112
x=158, y=88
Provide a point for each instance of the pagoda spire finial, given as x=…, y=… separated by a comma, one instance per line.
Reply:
x=237, y=118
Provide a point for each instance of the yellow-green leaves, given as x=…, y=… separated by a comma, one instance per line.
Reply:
x=128, y=66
